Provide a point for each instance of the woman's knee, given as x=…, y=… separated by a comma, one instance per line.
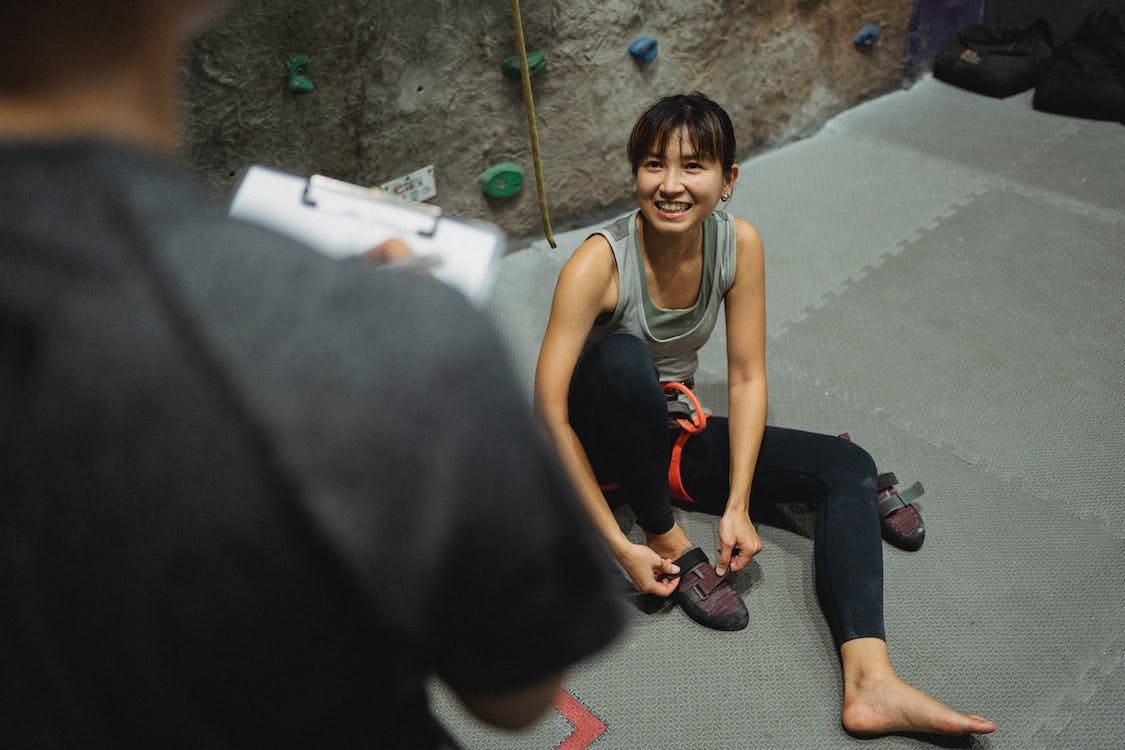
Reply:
x=620, y=350
x=620, y=364
x=850, y=462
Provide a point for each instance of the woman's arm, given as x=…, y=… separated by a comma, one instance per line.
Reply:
x=587, y=287
x=746, y=382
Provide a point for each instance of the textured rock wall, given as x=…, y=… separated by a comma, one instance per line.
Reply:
x=401, y=85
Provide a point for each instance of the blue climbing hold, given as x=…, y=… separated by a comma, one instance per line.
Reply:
x=867, y=36
x=644, y=49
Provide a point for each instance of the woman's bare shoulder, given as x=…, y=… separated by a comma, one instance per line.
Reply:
x=747, y=235
x=589, y=276
x=594, y=255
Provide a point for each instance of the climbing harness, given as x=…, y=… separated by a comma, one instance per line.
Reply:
x=688, y=427
x=692, y=423
x=529, y=105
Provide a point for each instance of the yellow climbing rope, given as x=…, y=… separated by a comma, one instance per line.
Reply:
x=529, y=105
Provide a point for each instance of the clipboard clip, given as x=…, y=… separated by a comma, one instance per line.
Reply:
x=371, y=204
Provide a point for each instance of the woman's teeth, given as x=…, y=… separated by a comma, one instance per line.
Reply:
x=672, y=207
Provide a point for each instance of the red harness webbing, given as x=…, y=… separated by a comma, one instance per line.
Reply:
x=688, y=427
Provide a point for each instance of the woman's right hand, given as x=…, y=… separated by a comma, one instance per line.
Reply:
x=649, y=571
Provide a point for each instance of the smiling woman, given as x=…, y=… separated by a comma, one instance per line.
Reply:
x=632, y=307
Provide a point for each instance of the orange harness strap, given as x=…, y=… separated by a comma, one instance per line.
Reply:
x=688, y=427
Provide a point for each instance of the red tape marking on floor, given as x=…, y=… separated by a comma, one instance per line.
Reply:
x=587, y=727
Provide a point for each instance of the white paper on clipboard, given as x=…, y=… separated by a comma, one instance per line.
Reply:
x=340, y=220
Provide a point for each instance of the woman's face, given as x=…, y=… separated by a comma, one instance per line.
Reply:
x=678, y=189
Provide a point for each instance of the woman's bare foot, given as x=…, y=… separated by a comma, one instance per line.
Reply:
x=671, y=544
x=877, y=701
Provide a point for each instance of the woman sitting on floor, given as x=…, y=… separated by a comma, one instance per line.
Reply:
x=632, y=307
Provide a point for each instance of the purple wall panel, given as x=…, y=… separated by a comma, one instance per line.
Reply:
x=933, y=26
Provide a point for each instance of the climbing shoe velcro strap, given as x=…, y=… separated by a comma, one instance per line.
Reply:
x=901, y=499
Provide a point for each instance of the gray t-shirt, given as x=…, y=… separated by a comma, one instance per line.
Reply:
x=251, y=496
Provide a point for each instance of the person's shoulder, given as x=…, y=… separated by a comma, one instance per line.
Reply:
x=744, y=254
x=749, y=252
x=620, y=228
x=747, y=235
x=594, y=261
x=601, y=244
x=590, y=273
x=744, y=231
x=593, y=255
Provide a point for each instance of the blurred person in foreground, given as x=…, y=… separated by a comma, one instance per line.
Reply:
x=250, y=496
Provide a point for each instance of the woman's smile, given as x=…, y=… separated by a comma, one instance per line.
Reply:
x=672, y=210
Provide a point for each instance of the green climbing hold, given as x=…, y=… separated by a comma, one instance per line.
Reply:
x=502, y=180
x=299, y=68
x=536, y=62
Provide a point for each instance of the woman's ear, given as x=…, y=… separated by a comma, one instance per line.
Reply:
x=728, y=181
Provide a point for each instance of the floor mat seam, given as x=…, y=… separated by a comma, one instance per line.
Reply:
x=1081, y=510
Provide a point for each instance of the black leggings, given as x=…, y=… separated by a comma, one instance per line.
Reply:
x=619, y=412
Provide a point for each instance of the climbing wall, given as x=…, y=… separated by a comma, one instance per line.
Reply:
x=373, y=91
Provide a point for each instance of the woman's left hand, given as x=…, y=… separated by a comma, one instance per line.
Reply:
x=738, y=542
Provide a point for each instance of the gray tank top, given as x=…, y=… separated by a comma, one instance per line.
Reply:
x=673, y=336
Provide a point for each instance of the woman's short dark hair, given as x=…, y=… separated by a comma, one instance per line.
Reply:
x=708, y=128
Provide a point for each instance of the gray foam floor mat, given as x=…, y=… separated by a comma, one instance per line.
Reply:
x=1000, y=338
x=944, y=283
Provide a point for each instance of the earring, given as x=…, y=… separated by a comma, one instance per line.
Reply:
x=725, y=197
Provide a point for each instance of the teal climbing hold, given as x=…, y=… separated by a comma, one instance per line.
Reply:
x=536, y=62
x=299, y=68
x=502, y=180
x=867, y=36
x=644, y=49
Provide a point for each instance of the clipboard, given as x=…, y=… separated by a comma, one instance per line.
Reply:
x=340, y=220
